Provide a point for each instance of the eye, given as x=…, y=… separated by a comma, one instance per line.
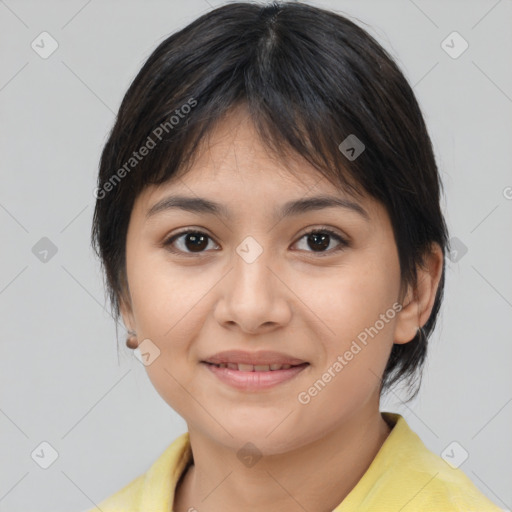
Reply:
x=197, y=241
x=320, y=238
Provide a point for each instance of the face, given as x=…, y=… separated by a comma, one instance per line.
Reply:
x=201, y=283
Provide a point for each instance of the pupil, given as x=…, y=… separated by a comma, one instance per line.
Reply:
x=324, y=239
x=199, y=242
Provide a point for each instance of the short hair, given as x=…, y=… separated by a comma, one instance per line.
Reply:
x=309, y=79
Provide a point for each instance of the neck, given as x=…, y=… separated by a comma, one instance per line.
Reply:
x=312, y=477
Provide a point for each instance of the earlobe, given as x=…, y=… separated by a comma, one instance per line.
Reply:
x=419, y=301
x=128, y=320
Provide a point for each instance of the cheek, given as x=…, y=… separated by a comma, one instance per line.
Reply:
x=163, y=295
x=352, y=297
x=169, y=307
x=357, y=316
x=170, y=385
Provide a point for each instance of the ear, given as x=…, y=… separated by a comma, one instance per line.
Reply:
x=418, y=303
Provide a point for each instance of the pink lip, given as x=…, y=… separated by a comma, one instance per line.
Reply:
x=254, y=381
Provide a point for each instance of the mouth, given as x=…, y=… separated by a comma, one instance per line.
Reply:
x=254, y=378
x=255, y=368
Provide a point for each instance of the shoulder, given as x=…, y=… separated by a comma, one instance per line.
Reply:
x=432, y=483
x=126, y=499
x=435, y=487
x=406, y=475
x=154, y=489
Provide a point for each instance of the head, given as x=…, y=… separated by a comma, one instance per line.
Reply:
x=252, y=107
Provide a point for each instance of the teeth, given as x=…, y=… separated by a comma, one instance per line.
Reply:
x=245, y=368
x=254, y=368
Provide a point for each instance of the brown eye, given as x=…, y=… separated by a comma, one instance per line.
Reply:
x=319, y=240
x=192, y=242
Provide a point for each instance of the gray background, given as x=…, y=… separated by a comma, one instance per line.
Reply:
x=61, y=378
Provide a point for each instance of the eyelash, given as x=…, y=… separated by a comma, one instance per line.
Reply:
x=342, y=242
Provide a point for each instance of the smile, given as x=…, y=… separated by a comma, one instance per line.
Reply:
x=254, y=368
x=247, y=377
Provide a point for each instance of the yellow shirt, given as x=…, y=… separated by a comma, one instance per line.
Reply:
x=404, y=476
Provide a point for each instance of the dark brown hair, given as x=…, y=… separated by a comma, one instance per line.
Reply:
x=309, y=78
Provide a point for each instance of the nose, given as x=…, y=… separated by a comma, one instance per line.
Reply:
x=254, y=296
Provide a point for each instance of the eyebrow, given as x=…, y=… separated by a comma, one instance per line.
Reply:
x=297, y=207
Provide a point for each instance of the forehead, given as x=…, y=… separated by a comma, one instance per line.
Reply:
x=233, y=147
x=234, y=167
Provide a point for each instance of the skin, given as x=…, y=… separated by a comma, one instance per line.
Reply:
x=290, y=299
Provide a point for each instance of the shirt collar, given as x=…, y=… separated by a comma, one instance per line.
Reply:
x=162, y=477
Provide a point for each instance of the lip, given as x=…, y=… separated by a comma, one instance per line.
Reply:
x=263, y=357
x=256, y=380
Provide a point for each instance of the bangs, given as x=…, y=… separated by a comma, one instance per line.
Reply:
x=281, y=71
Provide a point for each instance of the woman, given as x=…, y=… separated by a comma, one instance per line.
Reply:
x=268, y=220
